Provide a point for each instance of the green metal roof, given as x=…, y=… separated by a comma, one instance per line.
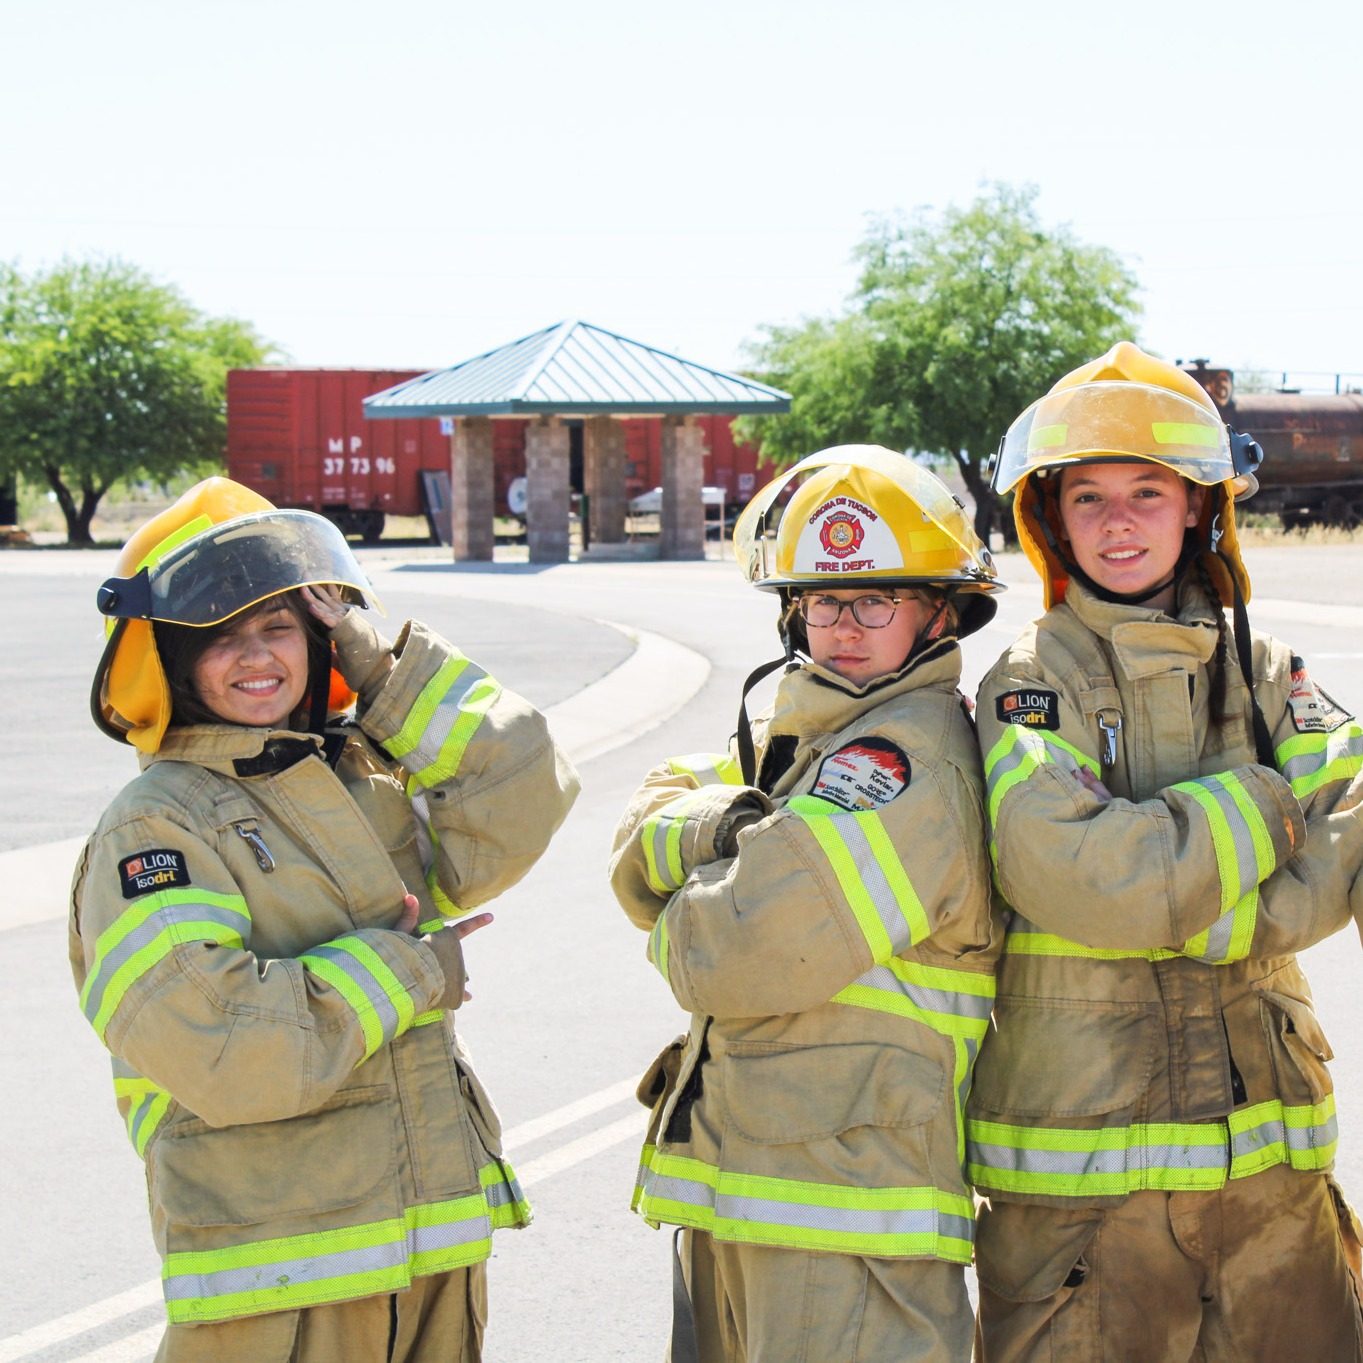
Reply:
x=575, y=369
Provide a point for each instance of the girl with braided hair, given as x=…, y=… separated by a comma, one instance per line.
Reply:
x=1174, y=812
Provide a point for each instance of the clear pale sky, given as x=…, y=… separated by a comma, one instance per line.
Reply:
x=408, y=185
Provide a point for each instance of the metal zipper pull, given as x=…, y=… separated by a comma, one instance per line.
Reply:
x=251, y=832
x=1110, y=722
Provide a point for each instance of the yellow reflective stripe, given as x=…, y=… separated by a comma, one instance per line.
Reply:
x=1185, y=433
x=469, y=711
x=1026, y=939
x=427, y=1018
x=147, y=932
x=1097, y=1162
x=1047, y=437
x=338, y=1265
x=792, y=1213
x=956, y=1003
x=1272, y=1133
x=381, y=1003
x=148, y=1104
x=177, y=537
x=1265, y=858
x=869, y=874
x=708, y=768
x=1019, y=753
x=1310, y=761
x=658, y=946
x=1236, y=876
x=661, y=836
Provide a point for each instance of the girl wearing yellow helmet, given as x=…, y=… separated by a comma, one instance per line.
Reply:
x=259, y=937
x=1152, y=1119
x=818, y=899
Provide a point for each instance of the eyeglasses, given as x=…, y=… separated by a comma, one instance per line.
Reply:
x=870, y=612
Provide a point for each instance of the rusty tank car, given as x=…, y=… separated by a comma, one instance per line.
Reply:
x=1312, y=472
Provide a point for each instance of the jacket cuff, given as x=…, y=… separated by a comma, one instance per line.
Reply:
x=695, y=829
x=363, y=656
x=1273, y=797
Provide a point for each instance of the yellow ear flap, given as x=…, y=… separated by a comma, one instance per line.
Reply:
x=136, y=693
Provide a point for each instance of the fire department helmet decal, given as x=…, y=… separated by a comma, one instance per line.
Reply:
x=841, y=534
x=844, y=535
x=158, y=868
x=862, y=775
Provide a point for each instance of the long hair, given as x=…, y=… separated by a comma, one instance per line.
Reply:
x=181, y=647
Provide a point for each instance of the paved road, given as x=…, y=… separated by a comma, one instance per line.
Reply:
x=567, y=1012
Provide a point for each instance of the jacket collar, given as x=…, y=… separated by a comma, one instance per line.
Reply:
x=814, y=700
x=233, y=749
x=1148, y=642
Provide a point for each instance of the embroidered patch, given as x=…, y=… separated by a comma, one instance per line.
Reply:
x=1036, y=709
x=159, y=869
x=863, y=775
x=1313, y=712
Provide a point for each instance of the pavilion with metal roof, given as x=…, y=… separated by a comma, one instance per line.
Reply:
x=575, y=370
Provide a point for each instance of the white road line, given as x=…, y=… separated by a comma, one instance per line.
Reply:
x=139, y=1346
x=560, y=1117
x=593, y=1143
x=78, y=1322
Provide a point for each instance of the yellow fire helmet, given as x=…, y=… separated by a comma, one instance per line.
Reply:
x=864, y=516
x=216, y=552
x=1124, y=406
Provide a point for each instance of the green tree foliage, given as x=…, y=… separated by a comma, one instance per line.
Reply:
x=106, y=374
x=959, y=321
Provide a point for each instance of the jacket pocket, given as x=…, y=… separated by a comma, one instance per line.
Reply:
x=1082, y=1059
x=325, y=1161
x=482, y=1112
x=1028, y=1254
x=810, y=1093
x=1296, y=1045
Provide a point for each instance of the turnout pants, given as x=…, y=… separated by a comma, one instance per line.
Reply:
x=1264, y=1269
x=755, y=1304
x=439, y=1319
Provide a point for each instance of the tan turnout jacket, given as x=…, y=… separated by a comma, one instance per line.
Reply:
x=830, y=932
x=311, y=1126
x=1153, y=1029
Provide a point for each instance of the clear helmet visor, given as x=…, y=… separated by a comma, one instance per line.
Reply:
x=230, y=567
x=1117, y=420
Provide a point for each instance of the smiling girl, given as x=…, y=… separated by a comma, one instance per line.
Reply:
x=1175, y=812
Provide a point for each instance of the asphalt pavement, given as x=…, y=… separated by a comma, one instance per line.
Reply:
x=633, y=661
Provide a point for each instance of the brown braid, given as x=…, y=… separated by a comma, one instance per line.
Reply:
x=1218, y=661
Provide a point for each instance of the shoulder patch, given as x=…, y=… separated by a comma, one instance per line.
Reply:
x=160, y=868
x=1035, y=708
x=865, y=774
x=1312, y=711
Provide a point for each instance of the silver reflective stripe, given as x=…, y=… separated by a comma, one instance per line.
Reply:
x=976, y=1007
x=1242, y=840
x=287, y=1273
x=447, y=714
x=503, y=1193
x=848, y=1220
x=146, y=932
x=848, y=827
x=1348, y=743
x=1010, y=761
x=1081, y=1163
x=294, y=1273
x=1219, y=935
x=669, y=1188
x=385, y=1014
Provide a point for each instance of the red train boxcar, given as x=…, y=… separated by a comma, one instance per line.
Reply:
x=299, y=437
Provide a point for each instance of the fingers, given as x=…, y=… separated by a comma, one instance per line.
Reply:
x=411, y=911
x=468, y=925
x=325, y=602
x=1089, y=780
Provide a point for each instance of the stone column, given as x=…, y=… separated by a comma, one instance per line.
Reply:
x=471, y=485
x=603, y=455
x=683, y=520
x=547, y=490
